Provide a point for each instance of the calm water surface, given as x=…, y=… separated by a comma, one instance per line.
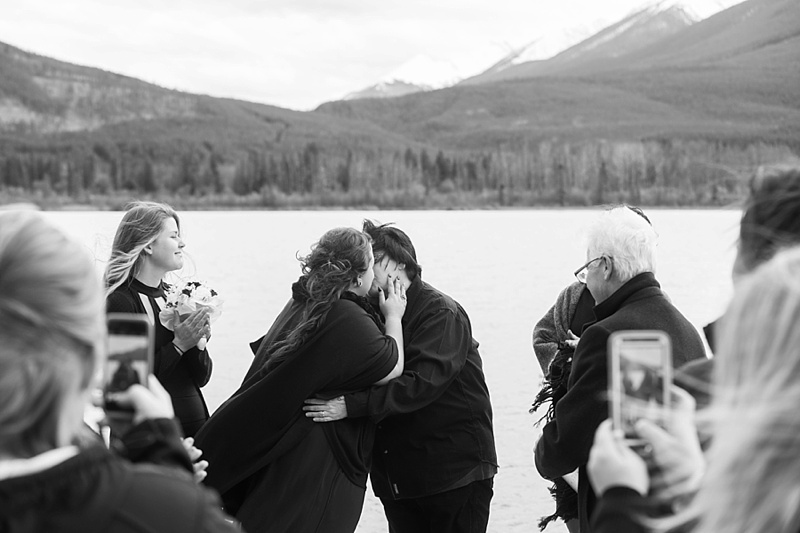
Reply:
x=505, y=267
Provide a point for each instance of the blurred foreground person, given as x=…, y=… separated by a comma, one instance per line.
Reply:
x=620, y=274
x=52, y=338
x=770, y=221
x=751, y=479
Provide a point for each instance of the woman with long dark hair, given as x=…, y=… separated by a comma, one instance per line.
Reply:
x=147, y=245
x=276, y=469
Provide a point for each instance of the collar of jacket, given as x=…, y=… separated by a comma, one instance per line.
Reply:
x=631, y=290
x=153, y=292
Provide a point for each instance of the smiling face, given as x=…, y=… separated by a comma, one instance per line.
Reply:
x=166, y=251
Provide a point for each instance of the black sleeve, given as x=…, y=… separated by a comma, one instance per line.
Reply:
x=156, y=441
x=439, y=350
x=200, y=365
x=619, y=510
x=567, y=438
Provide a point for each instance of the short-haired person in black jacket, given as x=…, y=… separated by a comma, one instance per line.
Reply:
x=434, y=456
x=619, y=272
x=52, y=336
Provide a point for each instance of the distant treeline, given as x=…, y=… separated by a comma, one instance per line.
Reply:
x=549, y=173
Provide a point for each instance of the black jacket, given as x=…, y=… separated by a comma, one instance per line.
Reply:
x=99, y=492
x=566, y=440
x=182, y=375
x=434, y=421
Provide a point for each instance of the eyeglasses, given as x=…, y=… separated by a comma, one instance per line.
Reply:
x=581, y=273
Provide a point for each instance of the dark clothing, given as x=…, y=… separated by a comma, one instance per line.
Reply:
x=182, y=375
x=574, y=308
x=462, y=510
x=300, y=495
x=566, y=440
x=696, y=376
x=98, y=492
x=617, y=511
x=263, y=452
x=435, y=421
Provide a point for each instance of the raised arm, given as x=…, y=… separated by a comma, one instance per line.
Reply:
x=393, y=306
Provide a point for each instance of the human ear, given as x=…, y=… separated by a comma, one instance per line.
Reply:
x=608, y=269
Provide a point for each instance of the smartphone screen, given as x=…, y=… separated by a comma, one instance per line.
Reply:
x=640, y=377
x=130, y=357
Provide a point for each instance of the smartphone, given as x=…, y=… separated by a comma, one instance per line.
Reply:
x=130, y=358
x=639, y=381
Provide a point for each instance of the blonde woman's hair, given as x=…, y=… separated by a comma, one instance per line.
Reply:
x=751, y=483
x=624, y=234
x=140, y=226
x=52, y=329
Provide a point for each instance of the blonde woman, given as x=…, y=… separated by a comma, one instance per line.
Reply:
x=147, y=245
x=52, y=332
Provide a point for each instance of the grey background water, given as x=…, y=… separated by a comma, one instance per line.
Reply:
x=505, y=267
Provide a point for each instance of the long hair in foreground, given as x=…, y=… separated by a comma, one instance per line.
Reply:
x=52, y=327
x=752, y=483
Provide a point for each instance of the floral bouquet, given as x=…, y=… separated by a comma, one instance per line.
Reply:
x=187, y=298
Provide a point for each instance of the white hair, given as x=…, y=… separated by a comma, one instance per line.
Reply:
x=627, y=238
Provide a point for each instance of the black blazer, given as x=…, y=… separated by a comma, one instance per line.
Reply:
x=566, y=440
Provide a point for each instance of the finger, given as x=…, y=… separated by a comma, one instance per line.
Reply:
x=315, y=401
x=654, y=435
x=381, y=296
x=604, y=434
x=200, y=465
x=134, y=395
x=682, y=400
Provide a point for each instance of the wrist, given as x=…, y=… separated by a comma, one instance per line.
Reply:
x=178, y=349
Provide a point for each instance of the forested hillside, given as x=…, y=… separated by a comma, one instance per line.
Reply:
x=680, y=122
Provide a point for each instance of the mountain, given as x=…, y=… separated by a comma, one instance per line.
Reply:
x=662, y=121
x=542, y=48
x=631, y=34
x=42, y=99
x=390, y=89
x=419, y=74
x=731, y=76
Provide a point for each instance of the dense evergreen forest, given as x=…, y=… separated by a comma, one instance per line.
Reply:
x=545, y=173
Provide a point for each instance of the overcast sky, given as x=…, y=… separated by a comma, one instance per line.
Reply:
x=298, y=53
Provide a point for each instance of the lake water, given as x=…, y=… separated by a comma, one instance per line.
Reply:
x=505, y=267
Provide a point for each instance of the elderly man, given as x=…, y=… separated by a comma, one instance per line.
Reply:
x=619, y=273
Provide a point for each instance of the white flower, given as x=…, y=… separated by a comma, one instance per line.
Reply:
x=187, y=298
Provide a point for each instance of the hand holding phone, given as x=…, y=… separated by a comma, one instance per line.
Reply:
x=640, y=379
x=129, y=362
